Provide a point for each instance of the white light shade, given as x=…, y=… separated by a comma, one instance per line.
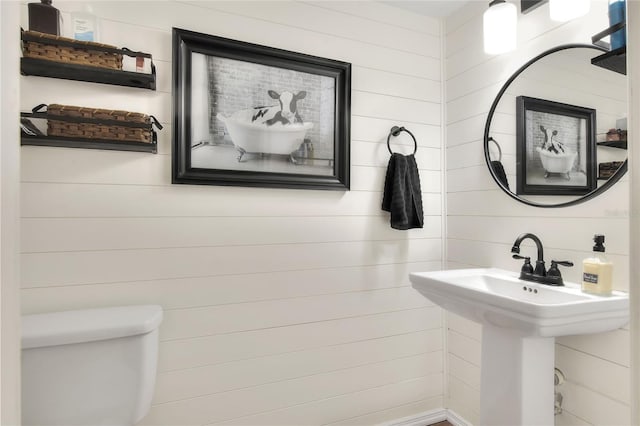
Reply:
x=500, y=24
x=566, y=10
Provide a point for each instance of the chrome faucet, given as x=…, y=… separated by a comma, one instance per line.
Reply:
x=538, y=274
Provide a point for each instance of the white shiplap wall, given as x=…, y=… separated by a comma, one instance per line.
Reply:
x=482, y=222
x=281, y=306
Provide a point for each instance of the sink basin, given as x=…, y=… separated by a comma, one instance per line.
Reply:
x=520, y=320
x=499, y=298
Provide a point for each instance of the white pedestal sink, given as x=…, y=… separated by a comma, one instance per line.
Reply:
x=520, y=322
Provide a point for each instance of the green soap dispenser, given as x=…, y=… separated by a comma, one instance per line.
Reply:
x=597, y=271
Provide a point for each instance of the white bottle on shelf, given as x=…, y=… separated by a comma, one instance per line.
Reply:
x=84, y=25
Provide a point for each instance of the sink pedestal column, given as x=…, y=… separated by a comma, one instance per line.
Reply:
x=517, y=379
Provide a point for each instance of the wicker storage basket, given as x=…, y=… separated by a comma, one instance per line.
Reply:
x=93, y=123
x=60, y=49
x=606, y=170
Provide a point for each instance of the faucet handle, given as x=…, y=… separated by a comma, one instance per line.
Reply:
x=561, y=262
x=527, y=267
x=554, y=273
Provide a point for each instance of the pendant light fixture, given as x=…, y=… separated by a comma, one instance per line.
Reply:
x=500, y=24
x=566, y=10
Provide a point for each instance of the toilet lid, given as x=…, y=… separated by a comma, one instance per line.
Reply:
x=61, y=328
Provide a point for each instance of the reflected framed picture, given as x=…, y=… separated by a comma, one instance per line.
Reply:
x=252, y=115
x=555, y=148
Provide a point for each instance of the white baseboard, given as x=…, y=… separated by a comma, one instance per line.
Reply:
x=429, y=418
x=456, y=419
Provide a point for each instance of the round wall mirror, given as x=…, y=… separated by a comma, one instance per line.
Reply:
x=556, y=132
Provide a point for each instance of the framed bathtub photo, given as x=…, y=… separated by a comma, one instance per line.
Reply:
x=252, y=115
x=555, y=148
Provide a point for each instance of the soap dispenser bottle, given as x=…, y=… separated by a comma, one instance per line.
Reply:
x=597, y=275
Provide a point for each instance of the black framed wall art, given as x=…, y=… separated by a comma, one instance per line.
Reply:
x=252, y=115
x=555, y=148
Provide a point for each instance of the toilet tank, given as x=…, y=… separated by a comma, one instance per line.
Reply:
x=89, y=367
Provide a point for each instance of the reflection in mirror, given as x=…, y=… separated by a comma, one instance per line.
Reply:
x=563, y=84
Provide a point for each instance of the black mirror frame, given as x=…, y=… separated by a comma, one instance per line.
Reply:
x=608, y=184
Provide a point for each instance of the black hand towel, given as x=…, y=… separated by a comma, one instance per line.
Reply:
x=402, y=196
x=498, y=170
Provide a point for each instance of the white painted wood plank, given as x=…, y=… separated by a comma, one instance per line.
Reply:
x=49, y=235
x=392, y=414
x=459, y=20
x=249, y=401
x=131, y=168
x=594, y=373
x=254, y=30
x=464, y=400
x=612, y=346
x=94, y=166
x=467, y=155
x=567, y=233
x=494, y=202
x=222, y=348
x=70, y=200
x=377, y=154
x=45, y=269
x=568, y=419
x=473, y=178
x=205, y=321
x=382, y=12
x=387, y=83
x=464, y=371
x=463, y=107
x=467, y=130
x=224, y=289
x=313, y=17
x=594, y=407
x=182, y=384
x=369, y=104
x=464, y=347
x=377, y=130
x=467, y=328
x=331, y=410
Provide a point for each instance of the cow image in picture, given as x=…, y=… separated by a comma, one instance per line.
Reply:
x=551, y=143
x=286, y=112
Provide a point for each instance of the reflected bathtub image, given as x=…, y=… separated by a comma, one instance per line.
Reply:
x=560, y=163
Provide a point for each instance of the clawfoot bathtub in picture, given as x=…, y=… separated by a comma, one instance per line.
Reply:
x=554, y=155
x=557, y=163
x=276, y=129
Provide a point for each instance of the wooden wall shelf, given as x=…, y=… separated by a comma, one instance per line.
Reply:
x=614, y=60
x=44, y=68
x=614, y=144
x=59, y=141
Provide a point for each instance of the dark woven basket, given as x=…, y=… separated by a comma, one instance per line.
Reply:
x=61, y=49
x=606, y=170
x=94, y=123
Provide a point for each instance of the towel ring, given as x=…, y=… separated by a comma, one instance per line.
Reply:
x=395, y=131
x=497, y=145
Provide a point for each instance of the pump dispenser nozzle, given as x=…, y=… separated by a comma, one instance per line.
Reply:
x=599, y=240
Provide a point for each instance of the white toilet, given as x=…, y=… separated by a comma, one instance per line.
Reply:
x=89, y=367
